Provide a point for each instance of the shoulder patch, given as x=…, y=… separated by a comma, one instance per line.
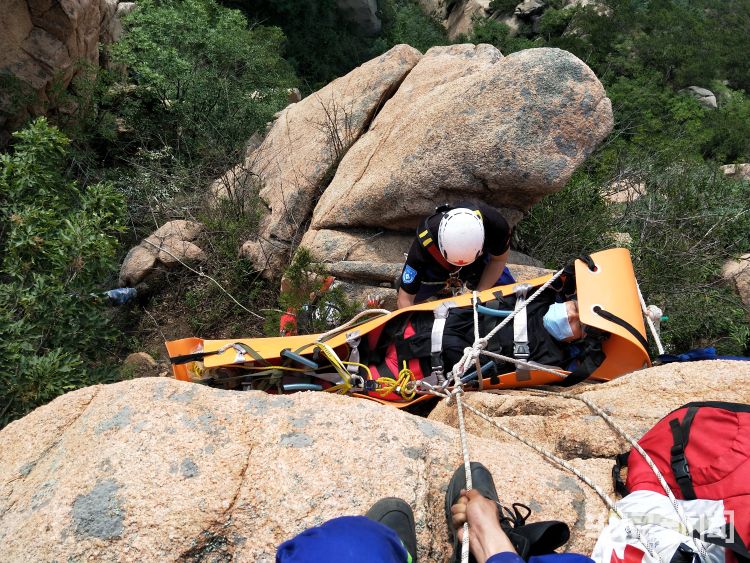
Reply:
x=409, y=274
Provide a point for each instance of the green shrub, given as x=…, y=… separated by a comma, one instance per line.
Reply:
x=504, y=7
x=498, y=34
x=316, y=310
x=405, y=22
x=204, y=80
x=564, y=225
x=728, y=129
x=554, y=22
x=58, y=244
x=691, y=220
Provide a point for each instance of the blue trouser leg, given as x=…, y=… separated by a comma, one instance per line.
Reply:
x=506, y=278
x=349, y=539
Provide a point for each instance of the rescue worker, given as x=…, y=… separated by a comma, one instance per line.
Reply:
x=463, y=244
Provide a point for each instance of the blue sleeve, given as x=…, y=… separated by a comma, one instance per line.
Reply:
x=348, y=539
x=508, y=557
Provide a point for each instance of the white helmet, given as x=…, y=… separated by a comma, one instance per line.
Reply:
x=461, y=236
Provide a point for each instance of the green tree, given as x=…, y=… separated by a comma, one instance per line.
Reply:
x=203, y=79
x=322, y=44
x=404, y=21
x=58, y=244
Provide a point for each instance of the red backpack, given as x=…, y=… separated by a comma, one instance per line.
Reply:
x=703, y=451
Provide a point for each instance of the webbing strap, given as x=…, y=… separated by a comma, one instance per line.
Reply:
x=623, y=323
x=521, y=331
x=353, y=339
x=737, y=545
x=436, y=339
x=678, y=460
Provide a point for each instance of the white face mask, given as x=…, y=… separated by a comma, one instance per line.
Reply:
x=556, y=322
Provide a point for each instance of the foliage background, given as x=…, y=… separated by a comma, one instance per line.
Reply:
x=204, y=76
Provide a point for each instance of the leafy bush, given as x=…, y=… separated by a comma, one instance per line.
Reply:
x=690, y=221
x=322, y=44
x=504, y=7
x=564, y=225
x=728, y=128
x=554, y=22
x=498, y=34
x=204, y=80
x=404, y=21
x=58, y=244
x=316, y=310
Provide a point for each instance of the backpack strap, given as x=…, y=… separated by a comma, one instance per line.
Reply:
x=678, y=461
x=621, y=460
x=736, y=545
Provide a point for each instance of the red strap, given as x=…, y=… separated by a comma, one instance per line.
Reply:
x=434, y=251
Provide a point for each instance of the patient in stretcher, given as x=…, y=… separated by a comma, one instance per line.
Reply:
x=553, y=336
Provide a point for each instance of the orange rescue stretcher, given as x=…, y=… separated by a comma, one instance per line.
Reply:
x=304, y=362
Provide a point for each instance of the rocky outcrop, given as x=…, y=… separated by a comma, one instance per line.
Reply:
x=156, y=469
x=467, y=122
x=706, y=97
x=362, y=13
x=307, y=140
x=170, y=244
x=626, y=190
x=43, y=46
x=737, y=273
x=737, y=171
x=457, y=16
x=530, y=8
x=460, y=122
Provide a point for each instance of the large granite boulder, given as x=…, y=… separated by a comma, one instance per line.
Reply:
x=737, y=273
x=160, y=470
x=166, y=248
x=737, y=171
x=307, y=139
x=44, y=44
x=467, y=122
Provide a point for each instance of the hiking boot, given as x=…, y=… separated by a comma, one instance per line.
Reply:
x=398, y=516
x=536, y=538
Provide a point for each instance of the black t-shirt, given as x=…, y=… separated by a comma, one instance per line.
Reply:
x=421, y=267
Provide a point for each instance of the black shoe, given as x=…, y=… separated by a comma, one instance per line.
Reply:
x=398, y=516
x=481, y=480
x=536, y=538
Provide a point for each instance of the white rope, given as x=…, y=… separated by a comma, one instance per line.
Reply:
x=351, y=321
x=467, y=471
x=649, y=320
x=201, y=274
x=471, y=355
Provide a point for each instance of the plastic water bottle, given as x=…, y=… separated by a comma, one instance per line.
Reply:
x=121, y=295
